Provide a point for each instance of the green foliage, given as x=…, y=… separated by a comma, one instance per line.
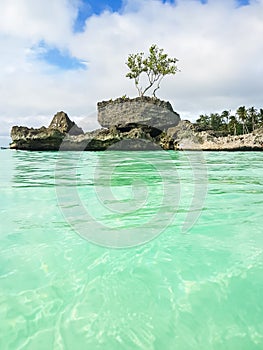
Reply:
x=155, y=66
x=242, y=121
x=203, y=122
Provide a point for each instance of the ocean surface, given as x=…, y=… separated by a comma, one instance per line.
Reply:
x=131, y=250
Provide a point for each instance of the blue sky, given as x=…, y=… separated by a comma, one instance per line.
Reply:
x=70, y=54
x=61, y=59
x=87, y=8
x=91, y=7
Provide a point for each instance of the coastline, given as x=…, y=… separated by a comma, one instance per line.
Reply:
x=131, y=124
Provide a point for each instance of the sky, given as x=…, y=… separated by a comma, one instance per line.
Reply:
x=69, y=54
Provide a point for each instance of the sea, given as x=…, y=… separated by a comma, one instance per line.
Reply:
x=116, y=250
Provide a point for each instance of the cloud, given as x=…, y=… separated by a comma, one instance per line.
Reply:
x=51, y=21
x=218, y=45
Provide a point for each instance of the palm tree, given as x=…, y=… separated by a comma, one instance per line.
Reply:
x=242, y=115
x=215, y=121
x=225, y=117
x=260, y=116
x=233, y=124
x=253, y=116
x=203, y=121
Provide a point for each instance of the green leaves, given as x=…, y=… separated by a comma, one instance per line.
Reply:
x=244, y=120
x=156, y=65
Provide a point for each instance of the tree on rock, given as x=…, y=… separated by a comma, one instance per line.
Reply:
x=156, y=66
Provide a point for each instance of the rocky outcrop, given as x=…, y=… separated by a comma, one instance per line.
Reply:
x=133, y=137
x=208, y=142
x=140, y=137
x=186, y=137
x=62, y=123
x=127, y=134
x=141, y=110
x=132, y=124
x=44, y=139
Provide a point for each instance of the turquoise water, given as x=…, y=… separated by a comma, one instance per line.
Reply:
x=192, y=278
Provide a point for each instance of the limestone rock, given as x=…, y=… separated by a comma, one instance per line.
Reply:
x=134, y=138
x=130, y=134
x=62, y=123
x=44, y=139
x=141, y=110
x=208, y=141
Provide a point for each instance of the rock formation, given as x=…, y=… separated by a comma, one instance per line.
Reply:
x=186, y=137
x=62, y=123
x=132, y=124
x=130, y=137
x=137, y=124
x=141, y=110
x=44, y=139
x=208, y=141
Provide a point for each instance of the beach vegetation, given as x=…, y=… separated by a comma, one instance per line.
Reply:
x=242, y=121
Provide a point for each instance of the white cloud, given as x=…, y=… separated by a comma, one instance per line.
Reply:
x=219, y=47
x=35, y=20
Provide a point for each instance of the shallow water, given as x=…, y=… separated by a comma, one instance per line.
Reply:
x=188, y=271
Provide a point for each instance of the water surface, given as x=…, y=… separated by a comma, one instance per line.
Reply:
x=196, y=290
